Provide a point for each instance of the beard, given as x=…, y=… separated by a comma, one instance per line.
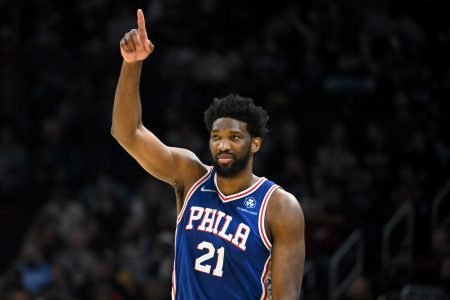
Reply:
x=234, y=168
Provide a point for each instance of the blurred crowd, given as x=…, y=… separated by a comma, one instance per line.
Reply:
x=357, y=91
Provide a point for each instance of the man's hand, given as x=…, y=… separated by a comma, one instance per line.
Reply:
x=135, y=45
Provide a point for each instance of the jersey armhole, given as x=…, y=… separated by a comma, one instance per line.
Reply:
x=262, y=217
x=192, y=190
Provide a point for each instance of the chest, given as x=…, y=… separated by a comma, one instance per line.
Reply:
x=235, y=222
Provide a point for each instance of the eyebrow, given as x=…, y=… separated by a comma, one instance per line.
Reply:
x=231, y=132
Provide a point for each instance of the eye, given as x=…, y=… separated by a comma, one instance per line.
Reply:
x=215, y=137
x=234, y=137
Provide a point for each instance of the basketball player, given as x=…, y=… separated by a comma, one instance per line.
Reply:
x=238, y=236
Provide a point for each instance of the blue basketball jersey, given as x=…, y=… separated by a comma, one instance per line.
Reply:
x=221, y=247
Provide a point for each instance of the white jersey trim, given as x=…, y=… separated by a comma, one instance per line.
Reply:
x=248, y=191
x=173, y=291
x=191, y=191
x=265, y=293
x=262, y=217
x=174, y=282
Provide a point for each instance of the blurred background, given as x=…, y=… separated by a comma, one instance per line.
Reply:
x=358, y=94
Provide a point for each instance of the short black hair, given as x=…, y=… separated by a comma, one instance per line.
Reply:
x=239, y=108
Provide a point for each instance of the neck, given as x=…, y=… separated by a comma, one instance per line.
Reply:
x=238, y=183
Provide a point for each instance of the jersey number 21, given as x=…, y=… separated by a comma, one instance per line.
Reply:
x=200, y=264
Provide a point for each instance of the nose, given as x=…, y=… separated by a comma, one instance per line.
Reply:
x=224, y=145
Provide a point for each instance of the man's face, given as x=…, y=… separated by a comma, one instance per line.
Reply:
x=231, y=146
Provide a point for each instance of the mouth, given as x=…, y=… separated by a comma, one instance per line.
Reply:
x=225, y=158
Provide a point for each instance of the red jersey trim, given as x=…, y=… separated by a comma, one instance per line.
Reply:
x=191, y=191
x=262, y=217
x=173, y=291
x=265, y=293
x=248, y=191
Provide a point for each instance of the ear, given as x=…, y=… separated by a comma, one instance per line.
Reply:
x=256, y=144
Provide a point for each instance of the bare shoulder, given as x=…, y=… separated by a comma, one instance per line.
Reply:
x=189, y=167
x=284, y=212
x=284, y=205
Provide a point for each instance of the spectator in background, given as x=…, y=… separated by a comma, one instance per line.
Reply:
x=35, y=272
x=359, y=290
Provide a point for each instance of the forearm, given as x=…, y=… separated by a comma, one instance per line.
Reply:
x=127, y=113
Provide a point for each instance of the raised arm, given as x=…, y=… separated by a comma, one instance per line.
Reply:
x=285, y=223
x=178, y=167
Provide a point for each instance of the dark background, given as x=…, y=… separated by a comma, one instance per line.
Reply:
x=357, y=91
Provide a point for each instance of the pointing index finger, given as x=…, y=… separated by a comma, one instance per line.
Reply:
x=141, y=22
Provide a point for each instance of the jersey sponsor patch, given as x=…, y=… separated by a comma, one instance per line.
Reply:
x=247, y=211
x=250, y=202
